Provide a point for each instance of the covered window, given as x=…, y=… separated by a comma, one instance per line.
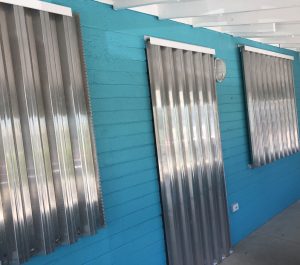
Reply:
x=183, y=91
x=49, y=192
x=271, y=105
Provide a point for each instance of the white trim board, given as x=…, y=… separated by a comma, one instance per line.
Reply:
x=42, y=6
x=265, y=52
x=180, y=45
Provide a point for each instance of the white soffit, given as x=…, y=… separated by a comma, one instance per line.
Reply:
x=42, y=6
x=268, y=21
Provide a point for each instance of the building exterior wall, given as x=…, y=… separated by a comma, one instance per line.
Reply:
x=119, y=89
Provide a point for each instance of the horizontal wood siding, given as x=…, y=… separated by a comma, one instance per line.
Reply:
x=118, y=81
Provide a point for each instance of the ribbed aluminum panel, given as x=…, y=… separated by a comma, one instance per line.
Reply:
x=49, y=190
x=272, y=112
x=189, y=155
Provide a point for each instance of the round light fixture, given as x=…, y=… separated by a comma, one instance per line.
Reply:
x=220, y=70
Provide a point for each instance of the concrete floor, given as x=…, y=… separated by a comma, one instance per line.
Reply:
x=276, y=243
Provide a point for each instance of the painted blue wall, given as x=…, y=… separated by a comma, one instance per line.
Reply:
x=117, y=72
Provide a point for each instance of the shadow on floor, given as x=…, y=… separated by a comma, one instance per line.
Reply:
x=276, y=243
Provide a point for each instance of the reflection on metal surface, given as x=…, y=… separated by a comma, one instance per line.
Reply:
x=272, y=114
x=49, y=191
x=189, y=155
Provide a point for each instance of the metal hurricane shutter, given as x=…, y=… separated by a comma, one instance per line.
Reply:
x=271, y=105
x=49, y=190
x=189, y=155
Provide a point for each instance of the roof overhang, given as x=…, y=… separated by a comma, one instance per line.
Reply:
x=275, y=22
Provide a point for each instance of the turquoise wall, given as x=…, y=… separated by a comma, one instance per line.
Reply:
x=117, y=72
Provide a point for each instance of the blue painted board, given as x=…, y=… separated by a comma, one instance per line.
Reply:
x=117, y=74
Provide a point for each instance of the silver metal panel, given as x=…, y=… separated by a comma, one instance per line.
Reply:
x=189, y=155
x=49, y=183
x=272, y=115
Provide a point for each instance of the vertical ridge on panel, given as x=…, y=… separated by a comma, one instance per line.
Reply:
x=261, y=155
x=57, y=123
x=173, y=120
x=292, y=98
x=183, y=142
x=283, y=114
x=277, y=109
x=76, y=97
x=285, y=106
x=16, y=204
x=261, y=102
x=209, y=156
x=218, y=197
x=277, y=87
x=167, y=179
x=195, y=157
x=291, y=108
x=86, y=96
x=189, y=155
x=14, y=185
x=292, y=120
x=272, y=115
x=282, y=107
x=206, y=171
x=86, y=177
x=274, y=111
x=49, y=191
x=74, y=206
x=220, y=174
x=250, y=106
x=31, y=132
x=9, y=187
x=268, y=108
x=273, y=126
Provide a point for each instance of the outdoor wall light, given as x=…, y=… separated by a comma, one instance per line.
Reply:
x=220, y=70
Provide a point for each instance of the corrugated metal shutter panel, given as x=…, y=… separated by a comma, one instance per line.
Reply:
x=49, y=191
x=189, y=155
x=272, y=115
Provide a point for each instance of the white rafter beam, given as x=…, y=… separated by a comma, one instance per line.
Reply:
x=280, y=30
x=275, y=22
x=122, y=4
x=252, y=35
x=292, y=27
x=290, y=46
x=213, y=7
x=251, y=17
x=261, y=28
x=278, y=40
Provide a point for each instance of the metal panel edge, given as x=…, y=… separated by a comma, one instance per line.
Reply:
x=266, y=52
x=179, y=45
x=42, y=6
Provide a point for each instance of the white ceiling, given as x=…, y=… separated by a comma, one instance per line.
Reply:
x=274, y=22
